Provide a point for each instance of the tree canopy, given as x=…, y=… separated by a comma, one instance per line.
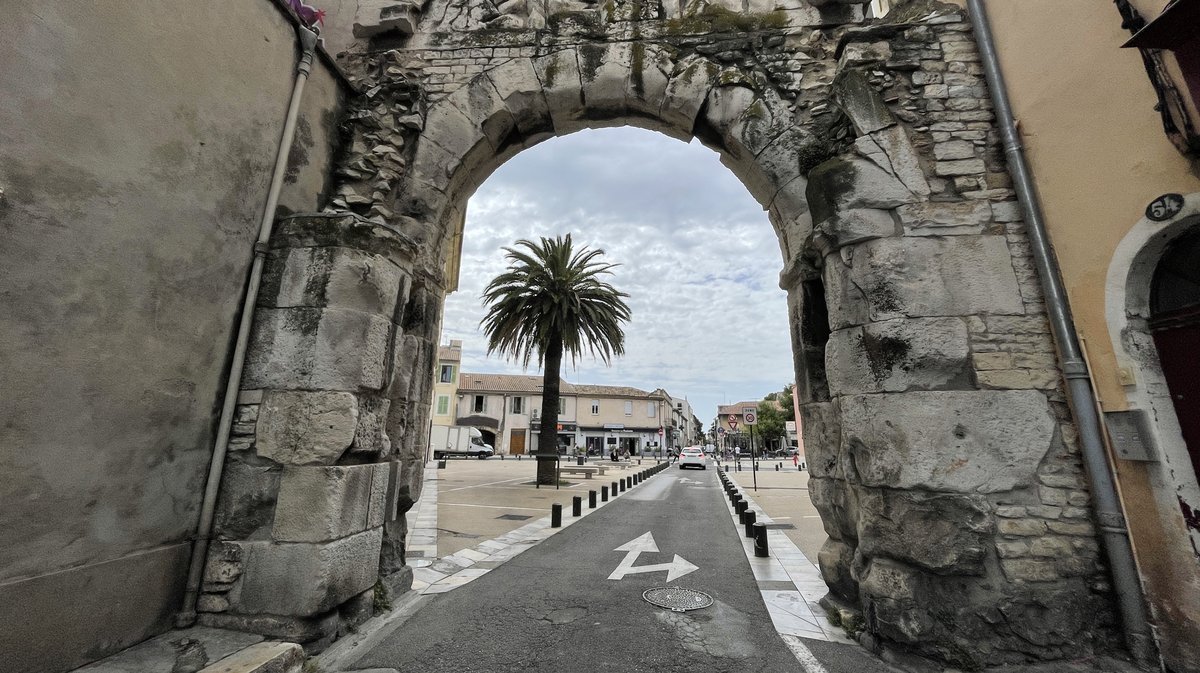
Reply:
x=553, y=299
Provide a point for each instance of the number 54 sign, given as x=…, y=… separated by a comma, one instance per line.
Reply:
x=1164, y=207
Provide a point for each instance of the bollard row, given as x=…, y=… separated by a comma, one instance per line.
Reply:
x=756, y=530
x=616, y=487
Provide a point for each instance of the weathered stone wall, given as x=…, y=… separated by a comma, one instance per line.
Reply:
x=945, y=465
x=943, y=458
x=322, y=466
x=136, y=147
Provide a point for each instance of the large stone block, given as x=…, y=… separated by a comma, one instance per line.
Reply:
x=317, y=349
x=853, y=226
x=822, y=428
x=516, y=83
x=370, y=435
x=940, y=532
x=846, y=183
x=837, y=503
x=325, y=503
x=687, y=92
x=246, y=502
x=305, y=578
x=604, y=76
x=865, y=109
x=306, y=428
x=985, y=441
x=945, y=218
x=558, y=73
x=835, y=561
x=332, y=277
x=921, y=277
x=899, y=355
x=293, y=629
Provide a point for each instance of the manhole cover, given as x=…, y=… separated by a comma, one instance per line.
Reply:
x=677, y=599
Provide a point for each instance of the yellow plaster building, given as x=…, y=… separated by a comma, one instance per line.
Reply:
x=1119, y=184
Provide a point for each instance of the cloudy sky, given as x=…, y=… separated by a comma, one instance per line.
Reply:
x=698, y=258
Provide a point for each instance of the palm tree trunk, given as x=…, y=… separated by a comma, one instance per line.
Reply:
x=547, y=455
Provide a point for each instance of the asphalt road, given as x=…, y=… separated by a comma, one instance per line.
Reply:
x=554, y=608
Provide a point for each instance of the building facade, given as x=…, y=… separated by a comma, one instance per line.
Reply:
x=595, y=419
x=1106, y=97
x=444, y=410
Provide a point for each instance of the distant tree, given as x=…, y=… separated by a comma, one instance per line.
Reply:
x=773, y=414
x=552, y=299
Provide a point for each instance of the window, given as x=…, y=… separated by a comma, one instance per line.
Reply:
x=595, y=407
x=479, y=404
x=447, y=375
x=443, y=405
x=650, y=409
x=628, y=408
x=518, y=405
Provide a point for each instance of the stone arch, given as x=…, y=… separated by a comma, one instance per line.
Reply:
x=942, y=452
x=500, y=112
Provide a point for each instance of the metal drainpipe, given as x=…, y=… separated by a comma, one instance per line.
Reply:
x=187, y=615
x=1108, y=507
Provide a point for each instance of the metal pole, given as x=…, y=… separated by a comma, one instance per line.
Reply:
x=1108, y=506
x=753, y=459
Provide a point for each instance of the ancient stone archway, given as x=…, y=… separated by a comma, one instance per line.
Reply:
x=943, y=457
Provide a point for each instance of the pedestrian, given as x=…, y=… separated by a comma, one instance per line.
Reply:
x=796, y=460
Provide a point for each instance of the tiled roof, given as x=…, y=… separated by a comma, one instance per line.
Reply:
x=519, y=383
x=610, y=391
x=449, y=354
x=504, y=383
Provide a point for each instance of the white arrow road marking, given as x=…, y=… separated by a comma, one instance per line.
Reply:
x=678, y=567
x=685, y=480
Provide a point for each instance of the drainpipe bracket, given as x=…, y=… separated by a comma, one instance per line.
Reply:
x=1111, y=522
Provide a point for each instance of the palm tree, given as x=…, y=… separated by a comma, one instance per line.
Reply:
x=550, y=300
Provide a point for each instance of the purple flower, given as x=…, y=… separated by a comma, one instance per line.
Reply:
x=308, y=14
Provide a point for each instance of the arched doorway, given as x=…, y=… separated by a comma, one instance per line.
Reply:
x=942, y=451
x=1175, y=324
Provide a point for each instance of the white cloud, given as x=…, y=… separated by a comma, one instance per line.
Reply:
x=698, y=258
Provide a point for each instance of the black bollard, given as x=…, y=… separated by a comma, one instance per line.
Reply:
x=750, y=516
x=591, y=500
x=577, y=506
x=760, y=540
x=622, y=482
x=603, y=494
x=580, y=460
x=741, y=508
x=556, y=515
x=441, y=464
x=614, y=489
x=776, y=467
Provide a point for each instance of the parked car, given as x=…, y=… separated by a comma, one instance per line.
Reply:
x=692, y=457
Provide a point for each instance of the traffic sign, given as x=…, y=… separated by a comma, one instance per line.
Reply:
x=660, y=431
x=733, y=423
x=749, y=416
